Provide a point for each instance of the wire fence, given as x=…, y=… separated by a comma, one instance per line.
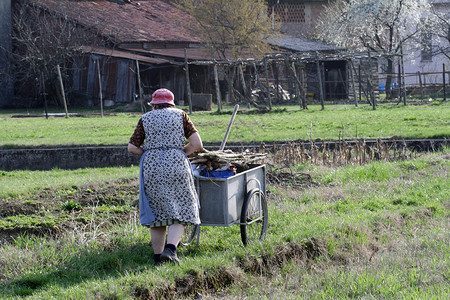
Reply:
x=426, y=86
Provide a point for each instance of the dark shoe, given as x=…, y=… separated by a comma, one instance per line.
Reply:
x=169, y=255
x=157, y=259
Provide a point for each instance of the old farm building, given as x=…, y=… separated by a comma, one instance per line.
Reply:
x=135, y=47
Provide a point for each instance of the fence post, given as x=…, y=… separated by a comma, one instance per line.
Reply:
x=304, y=88
x=266, y=73
x=244, y=85
x=138, y=73
x=403, y=75
x=359, y=82
x=258, y=80
x=277, y=81
x=370, y=76
x=100, y=87
x=443, y=82
x=352, y=75
x=188, y=81
x=297, y=83
x=43, y=93
x=421, y=85
x=216, y=81
x=399, y=82
x=319, y=78
x=62, y=89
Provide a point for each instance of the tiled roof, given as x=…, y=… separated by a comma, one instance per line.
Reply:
x=137, y=21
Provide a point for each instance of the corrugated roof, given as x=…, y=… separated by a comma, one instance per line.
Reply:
x=138, y=21
x=439, y=1
x=193, y=54
x=274, y=2
x=123, y=54
x=303, y=45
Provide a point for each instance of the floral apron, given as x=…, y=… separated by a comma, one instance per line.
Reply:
x=166, y=171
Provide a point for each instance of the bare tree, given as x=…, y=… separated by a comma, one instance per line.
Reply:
x=236, y=25
x=233, y=29
x=43, y=39
x=381, y=26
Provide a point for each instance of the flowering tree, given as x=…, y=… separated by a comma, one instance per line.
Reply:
x=440, y=28
x=382, y=26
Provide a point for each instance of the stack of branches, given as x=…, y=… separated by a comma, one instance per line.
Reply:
x=217, y=159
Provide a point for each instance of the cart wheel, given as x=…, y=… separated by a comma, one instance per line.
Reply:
x=190, y=232
x=254, y=217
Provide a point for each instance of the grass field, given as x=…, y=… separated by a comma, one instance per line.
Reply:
x=374, y=231
x=281, y=124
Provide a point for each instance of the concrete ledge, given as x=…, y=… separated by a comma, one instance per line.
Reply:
x=202, y=102
x=66, y=158
x=118, y=156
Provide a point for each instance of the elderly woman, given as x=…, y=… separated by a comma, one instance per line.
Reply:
x=167, y=192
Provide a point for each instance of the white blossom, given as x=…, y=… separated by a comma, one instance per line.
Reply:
x=378, y=25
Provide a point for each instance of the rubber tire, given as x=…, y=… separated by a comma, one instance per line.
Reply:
x=248, y=233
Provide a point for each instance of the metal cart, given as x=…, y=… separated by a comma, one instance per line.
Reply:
x=239, y=199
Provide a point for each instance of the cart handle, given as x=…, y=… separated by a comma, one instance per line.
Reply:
x=222, y=146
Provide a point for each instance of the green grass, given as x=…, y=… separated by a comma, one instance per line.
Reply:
x=283, y=123
x=382, y=230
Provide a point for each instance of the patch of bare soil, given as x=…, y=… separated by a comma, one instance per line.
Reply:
x=291, y=179
x=213, y=280
x=15, y=207
x=195, y=283
x=298, y=251
x=66, y=209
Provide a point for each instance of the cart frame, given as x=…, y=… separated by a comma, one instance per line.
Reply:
x=236, y=200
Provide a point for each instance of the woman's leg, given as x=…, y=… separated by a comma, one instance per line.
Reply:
x=174, y=234
x=158, y=235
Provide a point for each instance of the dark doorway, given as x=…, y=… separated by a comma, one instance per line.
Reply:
x=335, y=80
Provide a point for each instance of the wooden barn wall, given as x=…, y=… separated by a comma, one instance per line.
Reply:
x=118, y=79
x=171, y=77
x=202, y=79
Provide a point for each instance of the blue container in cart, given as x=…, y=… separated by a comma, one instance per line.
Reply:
x=217, y=174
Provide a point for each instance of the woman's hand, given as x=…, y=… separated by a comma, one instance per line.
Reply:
x=135, y=150
x=194, y=144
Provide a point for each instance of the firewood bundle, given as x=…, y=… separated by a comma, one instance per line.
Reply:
x=217, y=159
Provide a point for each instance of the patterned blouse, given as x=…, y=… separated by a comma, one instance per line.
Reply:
x=138, y=137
